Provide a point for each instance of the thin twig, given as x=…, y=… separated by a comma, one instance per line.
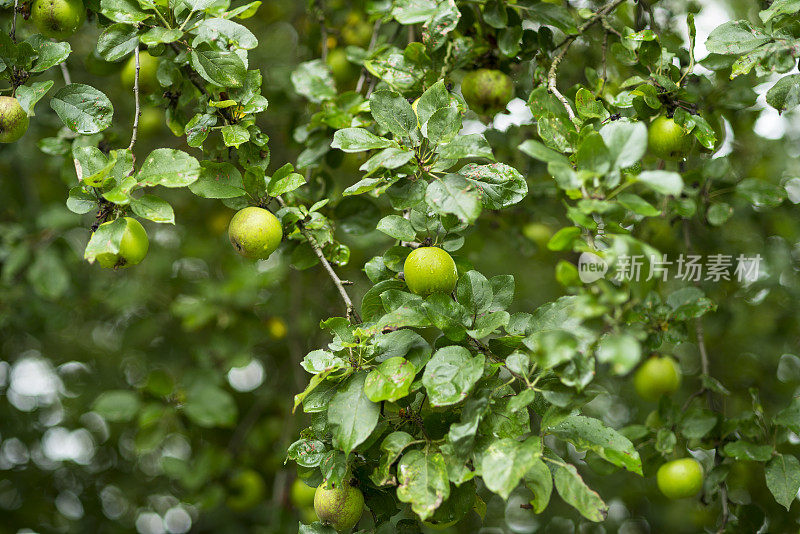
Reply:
x=65, y=73
x=372, y=42
x=350, y=309
x=322, y=29
x=566, y=43
x=13, y=33
x=138, y=111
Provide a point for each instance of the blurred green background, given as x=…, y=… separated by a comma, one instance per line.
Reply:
x=210, y=342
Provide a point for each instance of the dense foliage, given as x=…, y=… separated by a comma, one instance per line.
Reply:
x=466, y=232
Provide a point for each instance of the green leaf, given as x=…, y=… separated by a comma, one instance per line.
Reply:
x=623, y=351
x=626, y=142
x=588, y=106
x=390, y=381
x=474, y=292
x=125, y=11
x=159, y=35
x=506, y=461
x=432, y=100
x=168, y=167
x=210, y=406
x=393, y=112
x=29, y=95
x=392, y=447
x=218, y=180
x=778, y=8
x=397, y=227
x=782, y=474
x=389, y=158
x=222, y=68
x=80, y=201
x=313, y=80
x=789, y=417
x=320, y=361
x=306, y=452
x=358, y=140
x=735, y=37
x=718, y=213
x=462, y=434
x=153, y=208
x=49, y=53
x=454, y=194
x=744, y=450
x=422, y=481
x=638, y=205
x=500, y=186
x=785, y=94
x=443, y=125
x=285, y=184
x=92, y=166
x=351, y=415
x=564, y=238
x=577, y=494
x=538, y=151
x=587, y=433
x=761, y=194
x=105, y=239
x=117, y=406
x=450, y=375
x=117, y=41
x=466, y=146
x=664, y=182
x=234, y=135
x=539, y=480
x=82, y=108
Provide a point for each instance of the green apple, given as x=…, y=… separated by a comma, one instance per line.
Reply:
x=343, y=71
x=148, y=67
x=340, y=507
x=247, y=490
x=132, y=248
x=430, y=270
x=659, y=375
x=356, y=31
x=667, y=139
x=58, y=19
x=255, y=232
x=487, y=91
x=13, y=120
x=679, y=479
x=302, y=494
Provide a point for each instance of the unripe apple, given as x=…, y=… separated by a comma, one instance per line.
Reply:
x=679, y=479
x=302, y=495
x=58, y=18
x=247, y=490
x=132, y=248
x=659, y=375
x=148, y=67
x=340, y=507
x=343, y=71
x=13, y=120
x=255, y=232
x=430, y=270
x=356, y=30
x=487, y=91
x=667, y=139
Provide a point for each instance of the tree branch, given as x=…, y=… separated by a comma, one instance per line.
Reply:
x=372, y=41
x=138, y=111
x=350, y=309
x=566, y=43
x=65, y=73
x=13, y=33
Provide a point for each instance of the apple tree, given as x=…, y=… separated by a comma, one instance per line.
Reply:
x=571, y=259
